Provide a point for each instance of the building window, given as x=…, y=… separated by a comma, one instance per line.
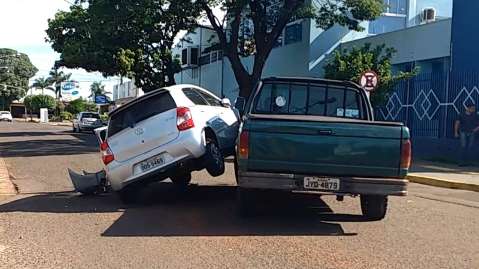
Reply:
x=293, y=33
x=184, y=56
x=205, y=59
x=194, y=56
x=214, y=56
x=398, y=7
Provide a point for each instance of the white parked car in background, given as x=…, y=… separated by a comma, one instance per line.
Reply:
x=167, y=133
x=6, y=116
x=86, y=121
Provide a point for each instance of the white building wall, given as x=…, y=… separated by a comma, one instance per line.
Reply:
x=218, y=77
x=422, y=42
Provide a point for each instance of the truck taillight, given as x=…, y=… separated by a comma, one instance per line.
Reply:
x=184, y=119
x=406, y=154
x=244, y=145
x=106, y=153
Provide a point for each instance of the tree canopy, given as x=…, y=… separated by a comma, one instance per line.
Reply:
x=56, y=77
x=35, y=102
x=15, y=71
x=128, y=38
x=96, y=88
x=134, y=38
x=351, y=64
x=42, y=83
x=265, y=21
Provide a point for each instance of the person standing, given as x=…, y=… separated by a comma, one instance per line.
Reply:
x=466, y=128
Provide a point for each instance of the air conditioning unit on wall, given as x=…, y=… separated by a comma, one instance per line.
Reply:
x=190, y=57
x=428, y=15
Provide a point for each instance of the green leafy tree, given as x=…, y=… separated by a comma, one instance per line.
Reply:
x=56, y=78
x=42, y=83
x=126, y=38
x=79, y=105
x=35, y=102
x=350, y=65
x=96, y=88
x=268, y=19
x=15, y=71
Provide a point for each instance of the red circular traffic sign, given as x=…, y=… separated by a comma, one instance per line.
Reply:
x=369, y=80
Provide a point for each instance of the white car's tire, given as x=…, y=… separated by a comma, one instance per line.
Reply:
x=215, y=161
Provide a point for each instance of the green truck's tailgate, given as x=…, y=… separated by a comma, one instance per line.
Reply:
x=342, y=148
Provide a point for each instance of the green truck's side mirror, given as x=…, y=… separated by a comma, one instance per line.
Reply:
x=240, y=103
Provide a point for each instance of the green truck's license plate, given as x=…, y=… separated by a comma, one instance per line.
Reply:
x=321, y=183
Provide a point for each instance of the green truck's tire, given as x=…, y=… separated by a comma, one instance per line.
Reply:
x=374, y=207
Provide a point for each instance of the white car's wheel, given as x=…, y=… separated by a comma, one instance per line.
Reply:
x=215, y=162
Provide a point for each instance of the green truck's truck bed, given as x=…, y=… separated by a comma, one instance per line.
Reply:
x=321, y=146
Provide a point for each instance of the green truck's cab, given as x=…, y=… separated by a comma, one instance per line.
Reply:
x=302, y=134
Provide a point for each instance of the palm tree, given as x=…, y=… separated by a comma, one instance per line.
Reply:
x=97, y=89
x=57, y=77
x=42, y=83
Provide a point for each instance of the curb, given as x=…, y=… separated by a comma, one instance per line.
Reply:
x=437, y=182
x=6, y=185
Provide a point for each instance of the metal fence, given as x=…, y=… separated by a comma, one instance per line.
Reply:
x=430, y=102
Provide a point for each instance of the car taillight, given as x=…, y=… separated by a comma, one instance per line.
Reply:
x=184, y=119
x=244, y=145
x=406, y=154
x=106, y=153
x=103, y=146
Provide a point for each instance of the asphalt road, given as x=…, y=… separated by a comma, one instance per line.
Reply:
x=49, y=226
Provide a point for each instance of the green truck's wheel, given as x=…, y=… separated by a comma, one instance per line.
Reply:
x=374, y=207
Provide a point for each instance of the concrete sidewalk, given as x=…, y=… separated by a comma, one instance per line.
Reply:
x=445, y=175
x=6, y=185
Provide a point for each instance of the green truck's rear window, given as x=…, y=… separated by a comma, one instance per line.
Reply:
x=308, y=99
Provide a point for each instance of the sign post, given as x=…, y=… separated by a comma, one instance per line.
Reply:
x=369, y=81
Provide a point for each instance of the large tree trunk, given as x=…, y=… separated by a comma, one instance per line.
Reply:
x=170, y=72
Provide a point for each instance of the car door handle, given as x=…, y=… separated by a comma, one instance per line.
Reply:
x=325, y=132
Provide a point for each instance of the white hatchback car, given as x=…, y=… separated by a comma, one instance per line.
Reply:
x=6, y=116
x=167, y=133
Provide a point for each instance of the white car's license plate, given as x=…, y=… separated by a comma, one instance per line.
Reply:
x=321, y=183
x=151, y=163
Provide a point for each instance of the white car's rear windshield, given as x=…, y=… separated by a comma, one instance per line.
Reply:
x=4, y=113
x=90, y=116
x=140, y=111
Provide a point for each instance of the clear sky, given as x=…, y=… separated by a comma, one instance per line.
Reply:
x=22, y=27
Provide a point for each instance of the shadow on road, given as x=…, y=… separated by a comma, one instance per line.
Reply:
x=31, y=148
x=198, y=211
x=50, y=144
x=35, y=133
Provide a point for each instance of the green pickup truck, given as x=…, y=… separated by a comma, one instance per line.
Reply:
x=316, y=135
